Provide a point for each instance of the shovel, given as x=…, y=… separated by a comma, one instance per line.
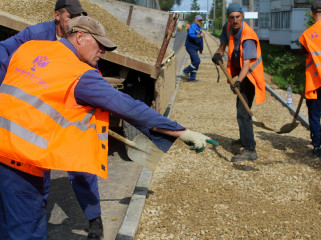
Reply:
x=141, y=150
x=289, y=127
x=208, y=47
x=254, y=121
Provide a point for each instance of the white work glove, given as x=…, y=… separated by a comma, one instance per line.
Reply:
x=196, y=140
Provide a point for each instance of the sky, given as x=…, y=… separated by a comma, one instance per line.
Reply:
x=186, y=5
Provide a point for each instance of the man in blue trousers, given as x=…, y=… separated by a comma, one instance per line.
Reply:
x=194, y=44
x=55, y=85
x=85, y=185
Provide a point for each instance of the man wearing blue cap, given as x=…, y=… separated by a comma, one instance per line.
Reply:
x=246, y=67
x=193, y=44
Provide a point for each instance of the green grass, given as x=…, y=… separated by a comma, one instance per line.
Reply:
x=285, y=66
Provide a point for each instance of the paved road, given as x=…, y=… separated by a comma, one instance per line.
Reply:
x=66, y=220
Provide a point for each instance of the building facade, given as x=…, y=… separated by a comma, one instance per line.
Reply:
x=281, y=22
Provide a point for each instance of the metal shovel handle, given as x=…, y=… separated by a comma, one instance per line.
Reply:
x=232, y=82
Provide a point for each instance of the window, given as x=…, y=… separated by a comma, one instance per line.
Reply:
x=280, y=20
x=264, y=20
x=245, y=2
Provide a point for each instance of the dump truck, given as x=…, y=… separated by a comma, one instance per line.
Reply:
x=150, y=79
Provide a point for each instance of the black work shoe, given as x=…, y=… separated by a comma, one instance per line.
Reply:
x=96, y=230
x=236, y=142
x=315, y=153
x=245, y=155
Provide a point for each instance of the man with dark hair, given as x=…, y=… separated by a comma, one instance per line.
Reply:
x=85, y=185
x=311, y=41
x=245, y=65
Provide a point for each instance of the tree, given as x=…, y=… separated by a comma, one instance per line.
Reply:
x=218, y=13
x=166, y=5
x=194, y=7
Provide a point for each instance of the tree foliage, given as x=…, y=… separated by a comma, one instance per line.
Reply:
x=166, y=5
x=191, y=16
x=218, y=13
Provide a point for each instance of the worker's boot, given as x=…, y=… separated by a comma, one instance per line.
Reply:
x=315, y=152
x=245, y=155
x=96, y=230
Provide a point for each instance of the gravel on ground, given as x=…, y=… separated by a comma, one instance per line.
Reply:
x=206, y=196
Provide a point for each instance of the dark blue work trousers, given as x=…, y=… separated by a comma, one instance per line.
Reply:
x=314, y=110
x=22, y=206
x=85, y=186
x=191, y=69
x=243, y=118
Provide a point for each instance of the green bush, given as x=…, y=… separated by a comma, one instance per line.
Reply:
x=285, y=66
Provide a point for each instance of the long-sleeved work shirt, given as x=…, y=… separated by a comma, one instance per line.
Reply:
x=192, y=41
x=93, y=90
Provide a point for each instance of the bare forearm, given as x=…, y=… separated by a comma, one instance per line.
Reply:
x=221, y=49
x=169, y=132
x=244, y=70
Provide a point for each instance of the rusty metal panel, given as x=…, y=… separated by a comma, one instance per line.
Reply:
x=148, y=22
x=165, y=86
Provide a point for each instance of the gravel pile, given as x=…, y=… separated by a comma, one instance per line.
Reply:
x=205, y=196
x=128, y=41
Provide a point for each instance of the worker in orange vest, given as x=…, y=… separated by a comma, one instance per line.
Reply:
x=85, y=185
x=56, y=117
x=311, y=41
x=245, y=65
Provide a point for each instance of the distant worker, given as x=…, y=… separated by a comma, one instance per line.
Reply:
x=311, y=40
x=85, y=185
x=56, y=116
x=246, y=67
x=194, y=44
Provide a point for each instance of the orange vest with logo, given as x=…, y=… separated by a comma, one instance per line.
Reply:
x=41, y=125
x=256, y=73
x=311, y=40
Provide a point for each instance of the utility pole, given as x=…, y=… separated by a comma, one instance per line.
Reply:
x=207, y=15
x=251, y=23
x=223, y=14
x=214, y=10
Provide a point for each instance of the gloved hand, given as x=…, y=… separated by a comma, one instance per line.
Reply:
x=236, y=84
x=196, y=140
x=216, y=58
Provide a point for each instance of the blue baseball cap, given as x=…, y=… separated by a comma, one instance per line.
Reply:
x=234, y=7
x=199, y=17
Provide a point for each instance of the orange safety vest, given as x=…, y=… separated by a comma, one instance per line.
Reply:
x=311, y=40
x=41, y=125
x=256, y=73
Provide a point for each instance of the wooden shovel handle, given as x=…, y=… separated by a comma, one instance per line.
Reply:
x=299, y=105
x=236, y=89
x=122, y=139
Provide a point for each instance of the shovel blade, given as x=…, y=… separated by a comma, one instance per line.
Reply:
x=147, y=154
x=289, y=127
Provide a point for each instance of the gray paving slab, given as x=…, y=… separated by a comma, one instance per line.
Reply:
x=122, y=194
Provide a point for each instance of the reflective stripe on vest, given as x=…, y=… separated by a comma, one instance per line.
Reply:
x=47, y=109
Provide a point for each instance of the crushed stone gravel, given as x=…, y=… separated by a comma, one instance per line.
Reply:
x=205, y=196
